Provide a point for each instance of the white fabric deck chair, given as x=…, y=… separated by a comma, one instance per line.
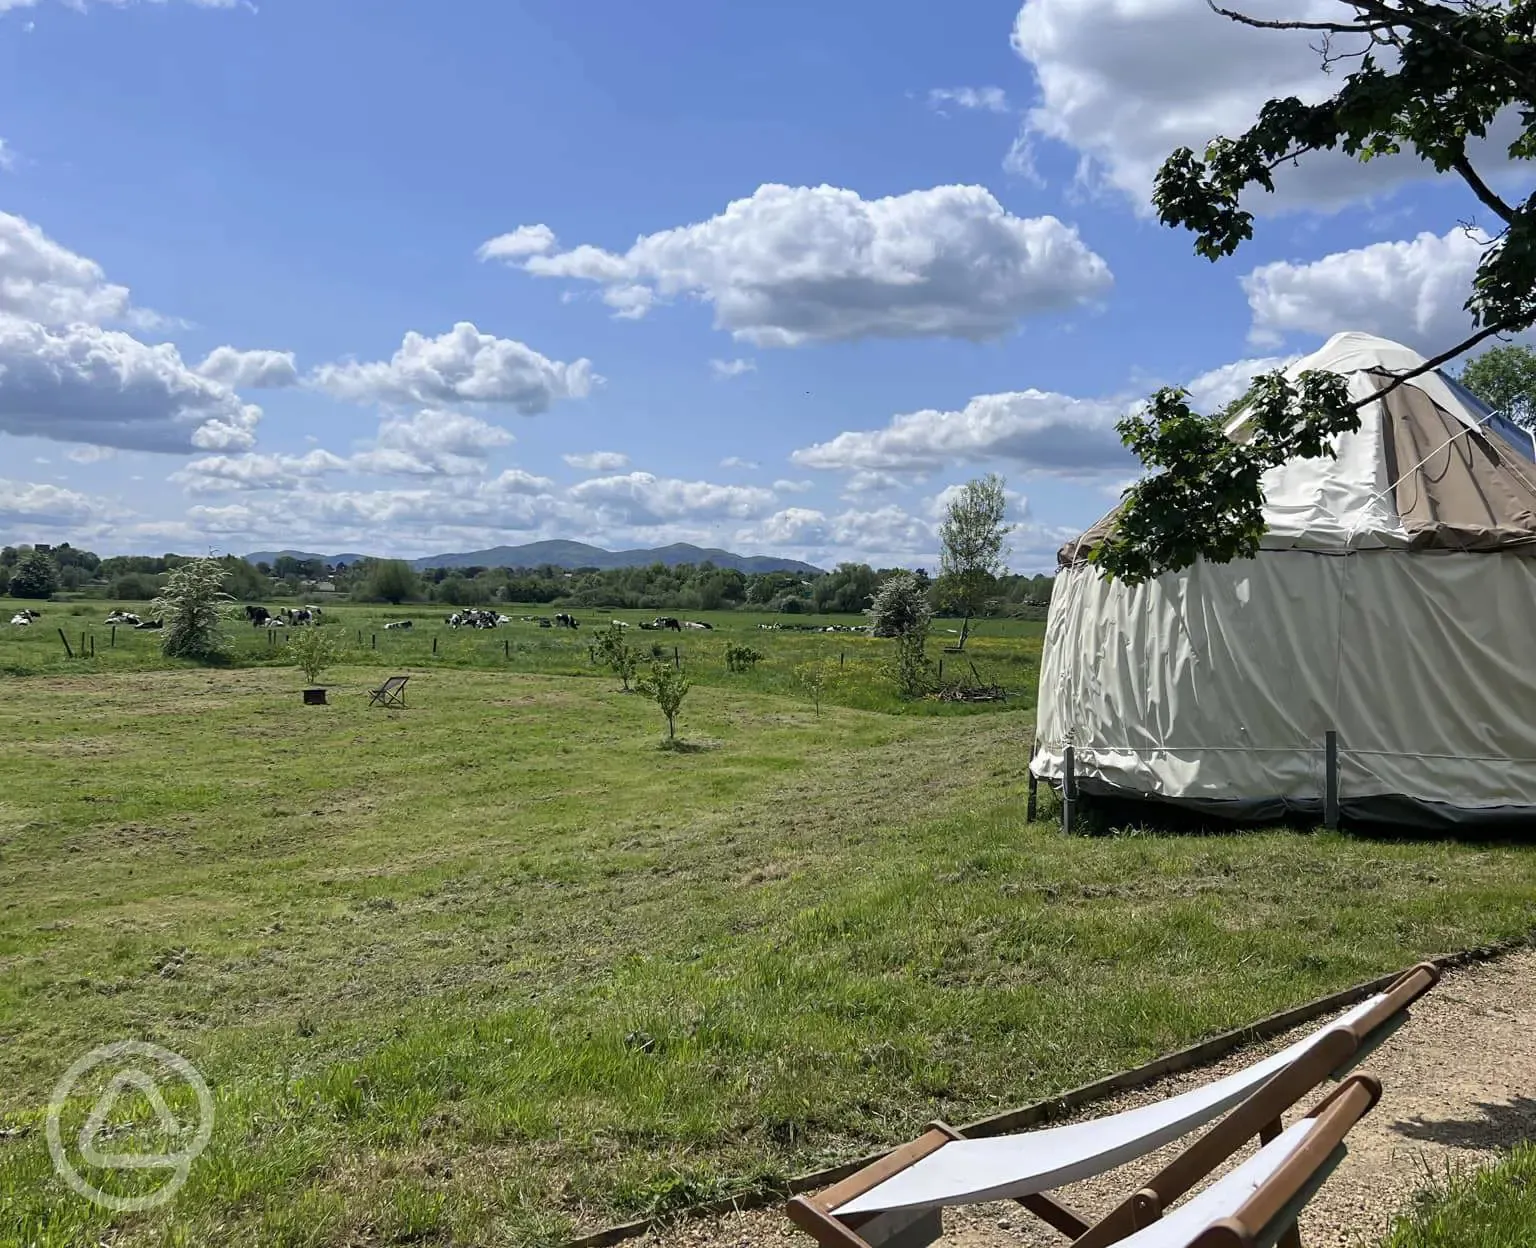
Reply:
x=895, y=1202
x=1256, y=1205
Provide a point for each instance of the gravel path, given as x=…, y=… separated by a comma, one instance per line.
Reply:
x=1458, y=1085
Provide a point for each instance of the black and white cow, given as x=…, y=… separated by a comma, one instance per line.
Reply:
x=397, y=624
x=562, y=620
x=257, y=617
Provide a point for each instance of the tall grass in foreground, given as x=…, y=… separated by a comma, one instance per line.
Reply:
x=1490, y=1208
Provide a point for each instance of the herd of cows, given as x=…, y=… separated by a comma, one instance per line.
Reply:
x=127, y=619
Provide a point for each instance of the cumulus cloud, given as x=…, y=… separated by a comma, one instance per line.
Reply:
x=461, y=366
x=26, y=502
x=1411, y=291
x=640, y=498
x=1215, y=389
x=598, y=461
x=1034, y=429
x=90, y=454
x=106, y=388
x=736, y=461
x=255, y=472
x=732, y=368
x=43, y=281
x=1125, y=82
x=432, y=443
x=972, y=99
x=250, y=370
x=793, y=487
x=792, y=265
x=885, y=531
x=866, y=481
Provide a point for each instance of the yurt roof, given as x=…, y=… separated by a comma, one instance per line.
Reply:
x=1429, y=469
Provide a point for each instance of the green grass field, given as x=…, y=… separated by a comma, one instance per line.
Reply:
x=1491, y=1208
x=497, y=968
x=1005, y=652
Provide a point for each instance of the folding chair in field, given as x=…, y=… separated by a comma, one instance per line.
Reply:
x=390, y=693
x=896, y=1201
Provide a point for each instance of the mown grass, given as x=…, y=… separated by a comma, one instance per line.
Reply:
x=1490, y=1208
x=496, y=967
x=1005, y=652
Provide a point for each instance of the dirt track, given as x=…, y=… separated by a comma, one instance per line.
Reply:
x=1458, y=1084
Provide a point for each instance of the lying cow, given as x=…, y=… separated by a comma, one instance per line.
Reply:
x=667, y=621
x=397, y=624
x=151, y=624
x=123, y=617
x=697, y=624
x=21, y=619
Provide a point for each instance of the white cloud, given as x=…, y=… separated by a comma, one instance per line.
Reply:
x=856, y=534
x=867, y=481
x=432, y=443
x=1411, y=292
x=984, y=99
x=639, y=498
x=242, y=370
x=43, y=281
x=105, y=388
x=461, y=366
x=791, y=265
x=1220, y=386
x=793, y=487
x=255, y=472
x=736, y=461
x=1125, y=82
x=90, y=454
x=526, y=240
x=732, y=368
x=1034, y=429
x=27, y=502
x=598, y=461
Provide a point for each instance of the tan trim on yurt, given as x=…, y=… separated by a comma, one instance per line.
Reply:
x=1455, y=488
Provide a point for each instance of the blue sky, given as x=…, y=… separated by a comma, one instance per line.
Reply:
x=408, y=278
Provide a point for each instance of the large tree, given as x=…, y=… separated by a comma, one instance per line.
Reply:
x=36, y=576
x=1505, y=379
x=390, y=580
x=973, y=546
x=1425, y=77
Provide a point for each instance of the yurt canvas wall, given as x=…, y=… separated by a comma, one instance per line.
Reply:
x=1393, y=602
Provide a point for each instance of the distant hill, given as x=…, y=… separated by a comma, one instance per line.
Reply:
x=272, y=556
x=580, y=555
x=571, y=555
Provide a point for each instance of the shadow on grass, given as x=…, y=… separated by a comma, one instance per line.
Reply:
x=676, y=745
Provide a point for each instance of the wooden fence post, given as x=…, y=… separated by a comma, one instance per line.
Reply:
x=65, y=640
x=375, y=641
x=113, y=642
x=434, y=645
x=1331, y=779
x=506, y=647
x=82, y=645
x=677, y=659
x=1032, y=806
x=93, y=645
x=841, y=655
x=1068, y=789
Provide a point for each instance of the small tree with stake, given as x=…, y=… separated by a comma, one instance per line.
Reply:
x=611, y=649
x=314, y=650
x=900, y=609
x=973, y=548
x=667, y=687
x=194, y=606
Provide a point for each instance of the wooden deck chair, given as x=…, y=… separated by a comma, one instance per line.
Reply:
x=1256, y=1205
x=896, y=1202
x=390, y=693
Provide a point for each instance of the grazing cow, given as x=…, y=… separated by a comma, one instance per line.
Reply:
x=314, y=612
x=397, y=624
x=562, y=620
x=667, y=621
x=294, y=618
x=256, y=617
x=151, y=624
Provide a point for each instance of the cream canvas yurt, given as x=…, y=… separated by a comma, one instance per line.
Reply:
x=1393, y=603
